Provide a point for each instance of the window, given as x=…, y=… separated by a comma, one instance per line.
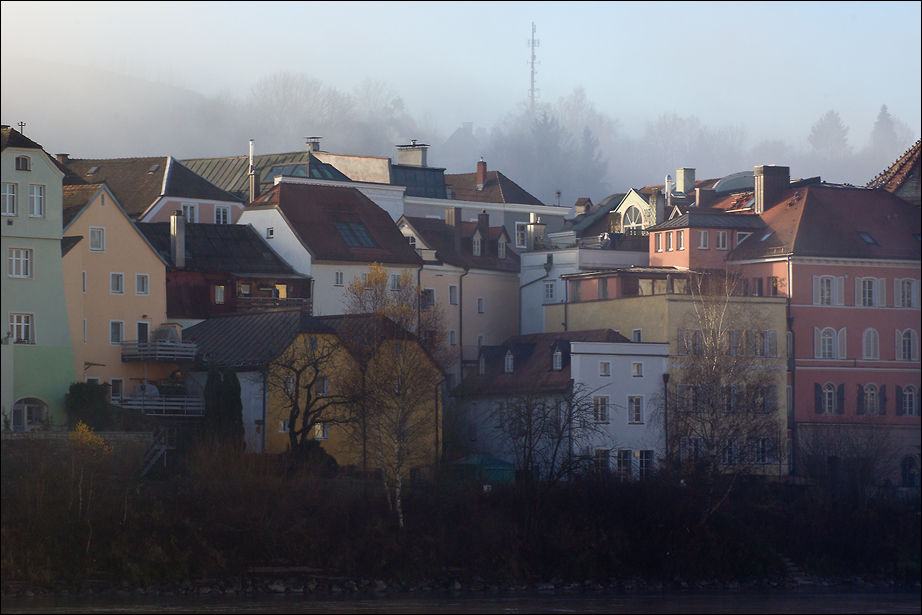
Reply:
x=680, y=240
x=692, y=448
x=775, y=283
x=829, y=344
x=658, y=241
x=729, y=454
x=219, y=294
x=637, y=370
x=365, y=281
x=116, y=332
x=28, y=414
x=870, y=344
x=97, y=239
x=9, y=199
x=721, y=240
x=453, y=294
x=395, y=282
x=321, y=431
x=480, y=305
x=604, y=369
x=549, y=291
x=576, y=291
x=476, y=246
x=600, y=408
x=689, y=342
x=270, y=232
x=19, y=263
x=322, y=386
x=907, y=401
x=36, y=201
x=142, y=284
x=687, y=397
x=762, y=343
x=602, y=459
x=338, y=278
x=703, y=240
x=452, y=337
x=757, y=287
x=22, y=328
x=867, y=238
x=143, y=330
x=312, y=343
x=828, y=290
x=907, y=345
x=509, y=362
x=828, y=399
x=646, y=464
x=602, y=288
x=427, y=299
x=906, y=293
x=868, y=399
x=190, y=212
x=23, y=163
x=520, y=234
x=633, y=219
x=669, y=242
x=762, y=450
x=558, y=360
x=869, y=292
x=283, y=425
x=636, y=335
x=501, y=248
x=117, y=283
x=635, y=410
x=625, y=457
x=117, y=388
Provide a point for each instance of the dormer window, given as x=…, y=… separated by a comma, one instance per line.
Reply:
x=501, y=249
x=509, y=362
x=23, y=163
x=476, y=245
x=558, y=360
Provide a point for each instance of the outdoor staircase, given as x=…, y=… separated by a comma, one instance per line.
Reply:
x=164, y=441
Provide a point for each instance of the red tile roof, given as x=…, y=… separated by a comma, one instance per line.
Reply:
x=902, y=176
x=439, y=236
x=313, y=210
x=497, y=189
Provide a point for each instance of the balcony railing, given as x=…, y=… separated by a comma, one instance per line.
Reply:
x=164, y=405
x=158, y=351
x=267, y=303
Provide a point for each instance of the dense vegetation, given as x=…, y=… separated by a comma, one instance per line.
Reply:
x=77, y=510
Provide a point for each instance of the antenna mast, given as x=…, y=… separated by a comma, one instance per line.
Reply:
x=532, y=92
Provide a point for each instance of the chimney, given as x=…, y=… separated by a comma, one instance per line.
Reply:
x=770, y=182
x=685, y=180
x=178, y=239
x=483, y=222
x=313, y=143
x=704, y=196
x=62, y=158
x=413, y=154
x=668, y=194
x=453, y=220
x=481, y=174
x=254, y=177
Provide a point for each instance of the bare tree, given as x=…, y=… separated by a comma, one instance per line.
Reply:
x=724, y=419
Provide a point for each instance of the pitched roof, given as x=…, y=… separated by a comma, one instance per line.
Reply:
x=533, y=356
x=824, y=220
x=138, y=182
x=231, y=173
x=234, y=249
x=68, y=243
x=586, y=224
x=706, y=218
x=904, y=171
x=76, y=198
x=497, y=189
x=339, y=224
x=439, y=236
x=250, y=340
x=10, y=137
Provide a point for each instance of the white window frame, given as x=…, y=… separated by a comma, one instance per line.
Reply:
x=116, y=325
x=453, y=294
x=220, y=295
x=600, y=404
x=190, y=212
x=605, y=369
x=22, y=328
x=687, y=398
x=97, y=239
x=828, y=399
x=476, y=245
x=222, y=214
x=270, y=232
x=23, y=163
x=680, y=240
x=668, y=241
x=870, y=344
x=557, y=360
x=658, y=242
x=703, y=240
x=481, y=305
x=910, y=400
x=36, y=201
x=549, y=288
x=637, y=370
x=338, y=278
x=427, y=299
x=10, y=194
x=636, y=335
x=501, y=248
x=116, y=283
x=906, y=293
x=829, y=344
x=19, y=263
x=452, y=337
x=142, y=284
x=635, y=409
x=509, y=362
x=321, y=431
x=521, y=234
x=907, y=345
x=721, y=240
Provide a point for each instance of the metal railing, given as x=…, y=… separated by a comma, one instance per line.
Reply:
x=164, y=405
x=158, y=351
x=264, y=303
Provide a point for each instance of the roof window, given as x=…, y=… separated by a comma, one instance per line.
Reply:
x=867, y=238
x=153, y=169
x=93, y=171
x=355, y=234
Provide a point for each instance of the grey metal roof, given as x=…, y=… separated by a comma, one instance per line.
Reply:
x=711, y=219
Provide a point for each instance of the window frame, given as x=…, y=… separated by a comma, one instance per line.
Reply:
x=635, y=410
x=657, y=242
x=97, y=239
x=637, y=369
x=220, y=294
x=668, y=241
x=521, y=234
x=116, y=288
x=452, y=294
x=190, y=212
x=142, y=289
x=116, y=325
x=20, y=258
x=600, y=405
x=22, y=163
x=549, y=288
x=604, y=369
x=870, y=345
x=22, y=322
x=224, y=217
x=481, y=305
x=475, y=245
x=339, y=278
x=680, y=240
x=10, y=199
x=704, y=238
x=720, y=241
x=36, y=201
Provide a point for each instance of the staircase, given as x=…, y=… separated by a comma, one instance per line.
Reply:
x=164, y=441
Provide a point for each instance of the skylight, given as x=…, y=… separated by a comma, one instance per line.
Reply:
x=355, y=234
x=867, y=238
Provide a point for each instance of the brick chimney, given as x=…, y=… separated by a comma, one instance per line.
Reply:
x=178, y=239
x=481, y=174
x=770, y=182
x=453, y=220
x=62, y=158
x=413, y=154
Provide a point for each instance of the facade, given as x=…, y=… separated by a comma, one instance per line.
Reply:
x=152, y=189
x=37, y=358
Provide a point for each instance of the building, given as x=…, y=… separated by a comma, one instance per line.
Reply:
x=37, y=358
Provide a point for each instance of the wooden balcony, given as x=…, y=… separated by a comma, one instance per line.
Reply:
x=163, y=405
x=158, y=351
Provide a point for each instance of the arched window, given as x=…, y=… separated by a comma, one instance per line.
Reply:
x=633, y=220
x=871, y=399
x=23, y=163
x=828, y=344
x=910, y=401
x=509, y=361
x=871, y=344
x=829, y=398
x=558, y=360
x=29, y=414
x=907, y=345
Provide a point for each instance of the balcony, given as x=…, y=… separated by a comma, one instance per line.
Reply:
x=158, y=351
x=163, y=405
x=249, y=304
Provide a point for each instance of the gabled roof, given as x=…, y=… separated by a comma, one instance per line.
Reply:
x=586, y=224
x=497, y=189
x=234, y=249
x=250, y=340
x=362, y=334
x=824, y=220
x=904, y=171
x=138, y=182
x=76, y=198
x=231, y=173
x=706, y=218
x=320, y=215
x=10, y=137
x=439, y=236
x=532, y=359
